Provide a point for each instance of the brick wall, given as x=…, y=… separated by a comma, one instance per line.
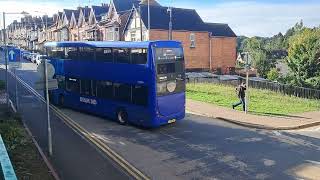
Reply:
x=223, y=49
x=223, y=52
x=197, y=57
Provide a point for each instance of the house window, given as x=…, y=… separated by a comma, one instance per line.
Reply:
x=192, y=40
x=133, y=36
x=109, y=36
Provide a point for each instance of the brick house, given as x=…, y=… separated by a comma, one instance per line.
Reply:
x=207, y=46
x=83, y=23
x=114, y=21
x=93, y=31
x=73, y=25
x=53, y=30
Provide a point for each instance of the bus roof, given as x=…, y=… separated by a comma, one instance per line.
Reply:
x=101, y=44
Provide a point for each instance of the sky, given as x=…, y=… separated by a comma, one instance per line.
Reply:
x=245, y=17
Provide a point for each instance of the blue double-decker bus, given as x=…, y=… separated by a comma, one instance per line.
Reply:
x=142, y=83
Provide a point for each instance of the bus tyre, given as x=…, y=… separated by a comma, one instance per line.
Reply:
x=61, y=101
x=122, y=117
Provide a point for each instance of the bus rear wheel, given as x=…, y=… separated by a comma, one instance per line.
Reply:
x=122, y=117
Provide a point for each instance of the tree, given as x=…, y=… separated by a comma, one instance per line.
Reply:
x=261, y=62
x=260, y=59
x=304, y=57
x=273, y=74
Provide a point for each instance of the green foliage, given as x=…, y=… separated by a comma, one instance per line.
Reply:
x=304, y=57
x=260, y=59
x=13, y=134
x=273, y=74
x=261, y=101
x=300, y=49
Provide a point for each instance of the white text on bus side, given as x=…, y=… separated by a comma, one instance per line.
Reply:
x=88, y=101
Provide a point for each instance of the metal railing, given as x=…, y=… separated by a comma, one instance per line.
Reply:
x=266, y=85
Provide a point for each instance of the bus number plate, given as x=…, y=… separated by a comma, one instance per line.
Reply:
x=171, y=121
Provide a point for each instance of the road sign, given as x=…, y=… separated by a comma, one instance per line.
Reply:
x=41, y=85
x=50, y=69
x=13, y=55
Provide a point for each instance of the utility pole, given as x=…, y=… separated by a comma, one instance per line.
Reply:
x=149, y=19
x=141, y=34
x=170, y=22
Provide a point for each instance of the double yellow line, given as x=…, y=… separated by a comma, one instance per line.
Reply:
x=125, y=165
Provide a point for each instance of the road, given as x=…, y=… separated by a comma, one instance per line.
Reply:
x=205, y=148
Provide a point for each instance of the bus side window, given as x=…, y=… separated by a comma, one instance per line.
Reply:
x=139, y=56
x=87, y=54
x=140, y=95
x=104, y=89
x=71, y=53
x=122, y=55
x=104, y=55
x=73, y=85
x=85, y=87
x=122, y=92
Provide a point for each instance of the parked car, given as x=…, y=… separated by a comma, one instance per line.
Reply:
x=33, y=57
x=25, y=55
x=39, y=58
x=29, y=57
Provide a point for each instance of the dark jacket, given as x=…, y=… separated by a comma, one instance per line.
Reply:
x=241, y=91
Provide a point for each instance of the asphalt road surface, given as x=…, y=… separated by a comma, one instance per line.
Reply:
x=205, y=148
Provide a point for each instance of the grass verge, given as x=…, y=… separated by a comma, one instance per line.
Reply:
x=25, y=158
x=262, y=102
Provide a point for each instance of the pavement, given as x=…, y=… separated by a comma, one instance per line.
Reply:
x=270, y=122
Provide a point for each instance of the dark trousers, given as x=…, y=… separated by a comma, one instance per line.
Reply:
x=243, y=102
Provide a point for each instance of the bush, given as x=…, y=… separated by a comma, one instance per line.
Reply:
x=12, y=131
x=273, y=74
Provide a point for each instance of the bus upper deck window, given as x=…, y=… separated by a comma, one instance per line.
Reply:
x=139, y=56
x=122, y=55
x=104, y=55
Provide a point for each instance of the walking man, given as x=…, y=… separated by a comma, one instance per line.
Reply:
x=241, y=91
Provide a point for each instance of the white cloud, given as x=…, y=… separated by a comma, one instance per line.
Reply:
x=262, y=19
x=16, y=6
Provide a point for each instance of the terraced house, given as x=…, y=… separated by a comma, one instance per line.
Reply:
x=207, y=46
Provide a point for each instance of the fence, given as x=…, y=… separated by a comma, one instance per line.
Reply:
x=73, y=156
x=267, y=85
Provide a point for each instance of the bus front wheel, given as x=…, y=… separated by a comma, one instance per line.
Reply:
x=122, y=117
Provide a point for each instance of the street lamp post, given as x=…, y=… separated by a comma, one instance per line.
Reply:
x=46, y=93
x=247, y=83
x=5, y=54
x=6, y=50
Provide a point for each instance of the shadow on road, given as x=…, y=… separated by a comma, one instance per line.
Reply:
x=202, y=149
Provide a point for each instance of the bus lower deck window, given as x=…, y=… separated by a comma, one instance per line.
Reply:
x=73, y=85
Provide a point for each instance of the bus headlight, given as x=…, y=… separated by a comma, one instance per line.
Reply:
x=171, y=86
